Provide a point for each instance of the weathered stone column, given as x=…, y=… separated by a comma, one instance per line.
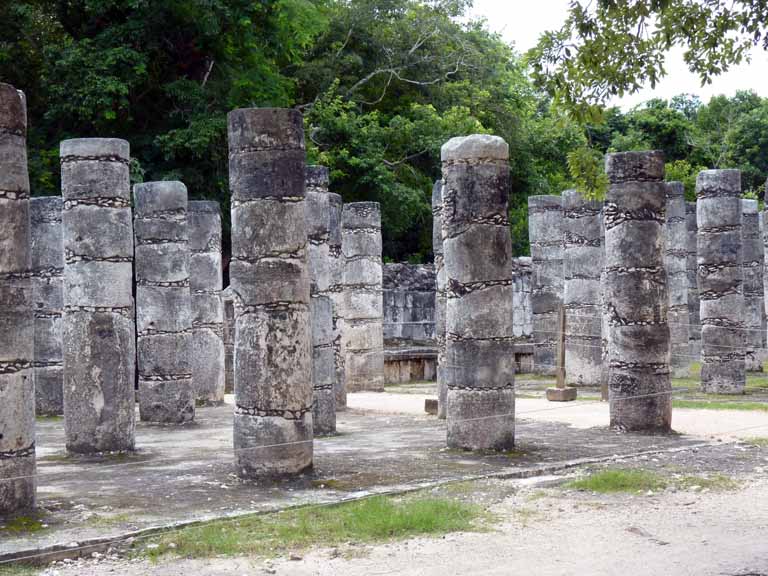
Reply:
x=163, y=306
x=754, y=302
x=675, y=262
x=582, y=266
x=48, y=294
x=694, y=328
x=321, y=304
x=545, y=232
x=17, y=325
x=479, y=342
x=336, y=290
x=363, y=304
x=720, y=281
x=228, y=302
x=636, y=293
x=761, y=221
x=205, y=283
x=98, y=325
x=437, y=249
x=270, y=284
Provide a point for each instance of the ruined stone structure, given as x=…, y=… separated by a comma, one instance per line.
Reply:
x=336, y=290
x=363, y=304
x=582, y=266
x=479, y=354
x=636, y=295
x=321, y=303
x=409, y=304
x=205, y=283
x=675, y=262
x=98, y=325
x=270, y=283
x=17, y=325
x=437, y=249
x=761, y=223
x=694, y=324
x=545, y=232
x=228, y=303
x=522, y=316
x=720, y=281
x=754, y=302
x=48, y=301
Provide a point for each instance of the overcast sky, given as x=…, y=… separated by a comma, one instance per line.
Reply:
x=522, y=21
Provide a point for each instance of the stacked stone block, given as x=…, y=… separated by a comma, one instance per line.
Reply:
x=582, y=266
x=47, y=283
x=440, y=285
x=409, y=304
x=675, y=262
x=694, y=323
x=636, y=297
x=336, y=290
x=321, y=302
x=721, y=281
x=98, y=325
x=521, y=300
x=205, y=282
x=754, y=301
x=545, y=232
x=363, y=303
x=17, y=391
x=228, y=304
x=270, y=283
x=479, y=353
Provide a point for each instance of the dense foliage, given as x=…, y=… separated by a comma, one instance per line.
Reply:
x=382, y=84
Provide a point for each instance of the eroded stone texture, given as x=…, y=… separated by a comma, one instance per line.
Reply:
x=720, y=281
x=270, y=283
x=437, y=250
x=521, y=300
x=336, y=289
x=636, y=297
x=205, y=283
x=17, y=324
x=753, y=262
x=675, y=262
x=363, y=304
x=545, y=232
x=163, y=305
x=409, y=304
x=479, y=348
x=582, y=266
x=694, y=323
x=47, y=291
x=321, y=302
x=98, y=325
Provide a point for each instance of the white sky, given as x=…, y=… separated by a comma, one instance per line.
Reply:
x=522, y=21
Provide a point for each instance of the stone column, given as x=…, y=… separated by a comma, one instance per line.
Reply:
x=98, y=328
x=675, y=262
x=694, y=328
x=582, y=266
x=363, y=304
x=321, y=304
x=228, y=303
x=163, y=307
x=336, y=289
x=17, y=325
x=636, y=296
x=270, y=284
x=545, y=232
x=720, y=281
x=754, y=302
x=761, y=221
x=205, y=283
x=437, y=249
x=48, y=294
x=479, y=342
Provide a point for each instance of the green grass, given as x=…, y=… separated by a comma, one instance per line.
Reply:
x=18, y=570
x=761, y=441
x=715, y=482
x=114, y=520
x=720, y=405
x=23, y=524
x=373, y=519
x=616, y=480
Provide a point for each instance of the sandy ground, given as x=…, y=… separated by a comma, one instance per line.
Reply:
x=725, y=424
x=672, y=533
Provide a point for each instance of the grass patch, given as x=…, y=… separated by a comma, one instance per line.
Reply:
x=18, y=570
x=114, y=520
x=23, y=524
x=374, y=519
x=612, y=481
x=44, y=418
x=716, y=482
x=761, y=441
x=719, y=405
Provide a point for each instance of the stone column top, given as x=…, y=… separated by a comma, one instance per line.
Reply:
x=544, y=202
x=204, y=206
x=316, y=176
x=476, y=148
x=634, y=166
x=749, y=206
x=153, y=199
x=576, y=205
x=13, y=114
x=718, y=183
x=45, y=209
x=357, y=215
x=675, y=190
x=265, y=129
x=113, y=149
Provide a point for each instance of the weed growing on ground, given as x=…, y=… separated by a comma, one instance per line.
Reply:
x=761, y=441
x=638, y=480
x=717, y=405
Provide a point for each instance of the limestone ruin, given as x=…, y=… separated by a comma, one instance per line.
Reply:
x=754, y=308
x=675, y=262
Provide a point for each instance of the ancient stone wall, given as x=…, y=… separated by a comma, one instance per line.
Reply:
x=409, y=304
